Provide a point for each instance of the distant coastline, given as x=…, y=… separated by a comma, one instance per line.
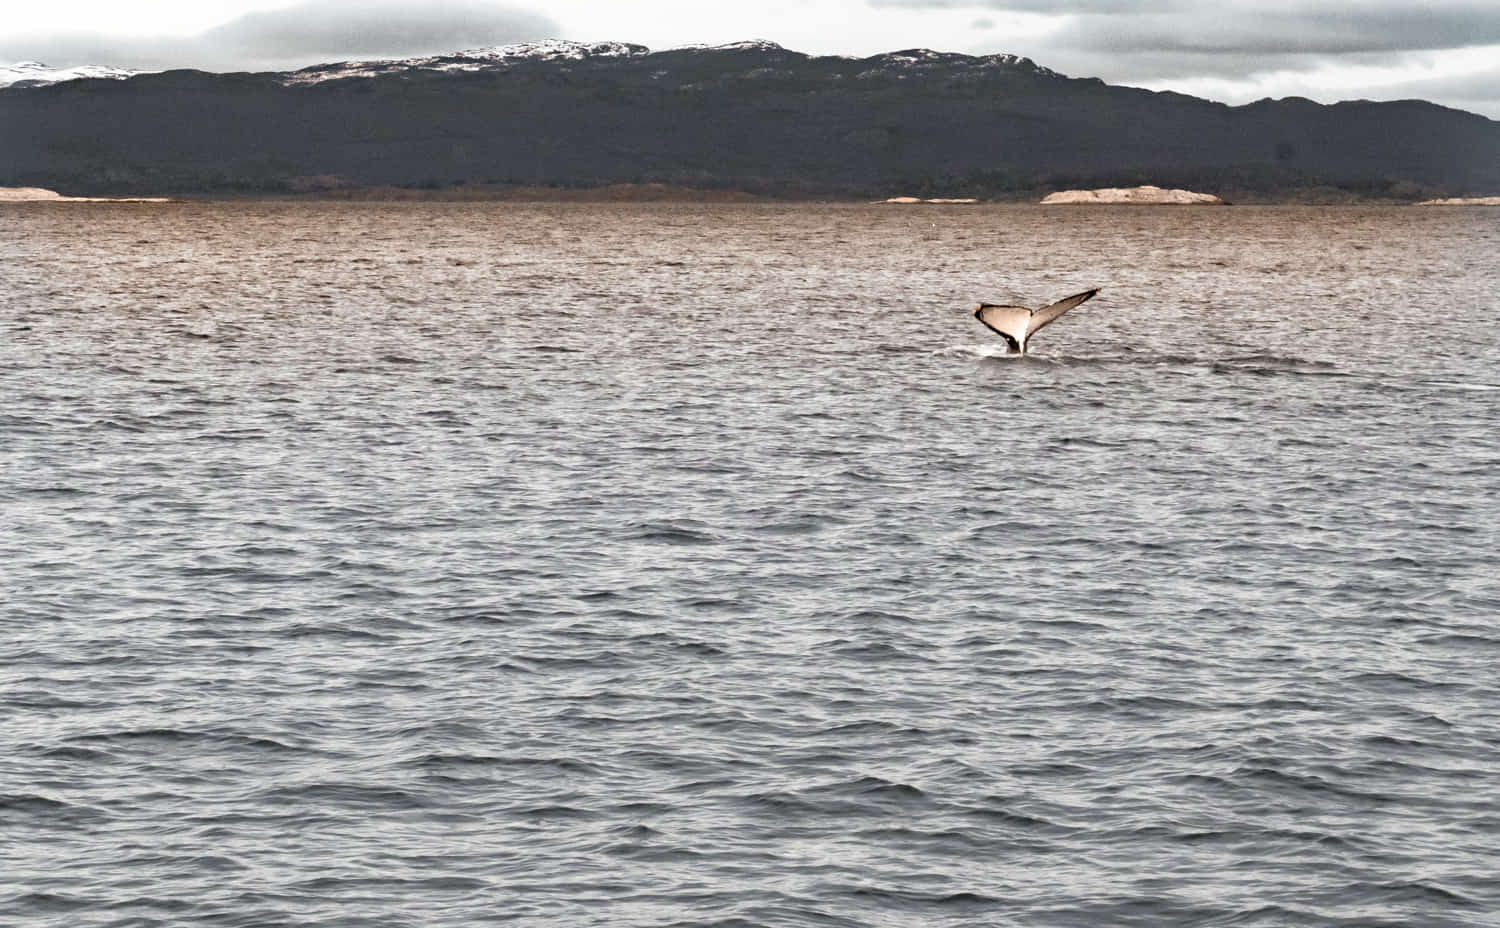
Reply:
x=478, y=193
x=672, y=193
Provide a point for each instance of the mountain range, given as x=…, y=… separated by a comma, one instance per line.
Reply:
x=751, y=116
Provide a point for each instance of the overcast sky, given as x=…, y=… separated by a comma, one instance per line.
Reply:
x=1447, y=51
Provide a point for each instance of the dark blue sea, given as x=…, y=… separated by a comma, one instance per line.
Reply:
x=710, y=565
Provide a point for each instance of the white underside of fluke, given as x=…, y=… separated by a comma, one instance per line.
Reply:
x=1017, y=323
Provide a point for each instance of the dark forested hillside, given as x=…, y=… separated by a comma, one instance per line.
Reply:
x=753, y=117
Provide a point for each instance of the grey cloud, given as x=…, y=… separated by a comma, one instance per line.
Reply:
x=1270, y=30
x=318, y=31
x=72, y=49
x=1156, y=41
x=309, y=33
x=1144, y=66
x=1229, y=30
x=1057, y=7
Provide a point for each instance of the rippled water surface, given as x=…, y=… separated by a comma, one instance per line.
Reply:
x=451, y=565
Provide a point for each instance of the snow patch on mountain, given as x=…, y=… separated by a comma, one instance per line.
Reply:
x=919, y=60
x=557, y=50
x=473, y=59
x=36, y=74
x=751, y=45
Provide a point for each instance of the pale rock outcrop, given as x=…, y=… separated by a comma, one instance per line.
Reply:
x=43, y=195
x=1463, y=201
x=27, y=194
x=1132, y=195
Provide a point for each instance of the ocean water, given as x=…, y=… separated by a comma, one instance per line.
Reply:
x=572, y=565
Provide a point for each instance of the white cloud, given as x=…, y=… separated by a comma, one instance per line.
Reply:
x=297, y=35
x=1467, y=79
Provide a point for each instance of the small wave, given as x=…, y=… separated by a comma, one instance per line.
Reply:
x=355, y=795
x=799, y=525
x=685, y=532
x=1463, y=641
x=1401, y=683
x=963, y=900
x=699, y=649
x=1142, y=706
x=879, y=652
x=55, y=492
x=40, y=811
x=873, y=788
x=1271, y=365
x=31, y=803
x=863, y=797
x=887, y=731
x=1469, y=386
x=644, y=850
x=552, y=765
x=158, y=739
x=555, y=811
x=76, y=755
x=1083, y=441
x=602, y=659
x=47, y=903
x=1286, y=781
x=139, y=735
x=717, y=604
x=1122, y=355
x=1015, y=819
x=1409, y=893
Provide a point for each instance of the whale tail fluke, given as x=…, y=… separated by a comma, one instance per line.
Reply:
x=1016, y=324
